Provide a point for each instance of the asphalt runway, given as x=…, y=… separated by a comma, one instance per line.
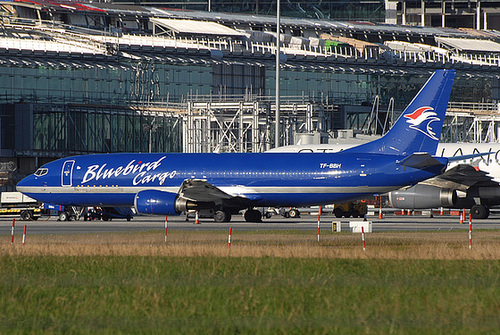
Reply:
x=306, y=222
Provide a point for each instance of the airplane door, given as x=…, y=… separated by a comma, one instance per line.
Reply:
x=67, y=173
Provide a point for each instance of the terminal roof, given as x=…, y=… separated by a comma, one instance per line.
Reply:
x=468, y=44
x=195, y=27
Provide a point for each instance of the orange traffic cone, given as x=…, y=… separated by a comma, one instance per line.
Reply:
x=462, y=215
x=380, y=215
x=196, y=218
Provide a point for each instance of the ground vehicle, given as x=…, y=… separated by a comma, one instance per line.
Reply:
x=353, y=208
x=16, y=203
x=286, y=212
x=68, y=213
x=290, y=212
x=65, y=213
x=108, y=213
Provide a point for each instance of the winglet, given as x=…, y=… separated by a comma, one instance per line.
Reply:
x=418, y=129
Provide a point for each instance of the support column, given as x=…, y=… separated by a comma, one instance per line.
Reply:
x=403, y=13
x=206, y=142
x=187, y=134
x=422, y=13
x=309, y=116
x=478, y=15
x=443, y=14
x=241, y=128
x=255, y=128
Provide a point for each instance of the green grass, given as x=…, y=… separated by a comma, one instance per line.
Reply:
x=193, y=295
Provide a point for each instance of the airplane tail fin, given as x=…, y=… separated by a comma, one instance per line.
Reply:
x=418, y=129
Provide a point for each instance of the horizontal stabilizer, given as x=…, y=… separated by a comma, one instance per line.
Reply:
x=420, y=160
x=464, y=157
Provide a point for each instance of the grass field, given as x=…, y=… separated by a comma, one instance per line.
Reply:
x=272, y=282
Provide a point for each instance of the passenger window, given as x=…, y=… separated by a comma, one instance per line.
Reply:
x=41, y=172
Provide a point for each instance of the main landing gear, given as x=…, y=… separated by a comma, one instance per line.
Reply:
x=251, y=215
x=479, y=212
x=222, y=216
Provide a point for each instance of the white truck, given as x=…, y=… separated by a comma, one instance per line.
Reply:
x=18, y=204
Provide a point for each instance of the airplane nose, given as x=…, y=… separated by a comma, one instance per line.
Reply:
x=23, y=185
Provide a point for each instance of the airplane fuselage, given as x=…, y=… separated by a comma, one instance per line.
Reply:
x=266, y=179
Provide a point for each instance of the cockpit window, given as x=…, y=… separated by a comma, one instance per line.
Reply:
x=41, y=172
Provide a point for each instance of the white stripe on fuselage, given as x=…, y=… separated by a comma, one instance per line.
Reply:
x=233, y=190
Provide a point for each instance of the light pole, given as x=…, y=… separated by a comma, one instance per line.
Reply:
x=151, y=128
x=277, y=134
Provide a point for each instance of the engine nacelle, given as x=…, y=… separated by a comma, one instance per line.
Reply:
x=423, y=196
x=160, y=203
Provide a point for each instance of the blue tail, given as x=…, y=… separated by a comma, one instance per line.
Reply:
x=418, y=129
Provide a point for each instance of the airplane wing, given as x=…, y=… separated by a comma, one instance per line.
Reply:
x=462, y=177
x=202, y=191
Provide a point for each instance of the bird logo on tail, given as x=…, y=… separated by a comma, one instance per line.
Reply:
x=421, y=120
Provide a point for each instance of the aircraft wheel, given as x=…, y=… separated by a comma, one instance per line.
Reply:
x=294, y=213
x=479, y=212
x=338, y=212
x=64, y=216
x=356, y=214
x=221, y=216
x=253, y=215
x=26, y=216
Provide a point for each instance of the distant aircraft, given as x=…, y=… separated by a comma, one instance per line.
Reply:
x=168, y=184
x=471, y=183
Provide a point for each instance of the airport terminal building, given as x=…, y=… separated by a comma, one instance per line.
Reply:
x=80, y=78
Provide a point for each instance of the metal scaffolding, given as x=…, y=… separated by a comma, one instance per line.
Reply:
x=474, y=123
x=248, y=126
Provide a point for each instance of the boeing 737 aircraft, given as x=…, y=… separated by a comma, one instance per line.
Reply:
x=168, y=184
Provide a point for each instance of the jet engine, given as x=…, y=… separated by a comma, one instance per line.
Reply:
x=161, y=203
x=423, y=196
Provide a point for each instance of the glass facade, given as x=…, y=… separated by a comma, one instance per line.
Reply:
x=84, y=82
x=163, y=81
x=73, y=129
x=373, y=11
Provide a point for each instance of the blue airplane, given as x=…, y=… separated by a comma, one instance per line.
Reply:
x=169, y=184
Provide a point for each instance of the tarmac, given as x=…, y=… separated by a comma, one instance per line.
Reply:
x=390, y=222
